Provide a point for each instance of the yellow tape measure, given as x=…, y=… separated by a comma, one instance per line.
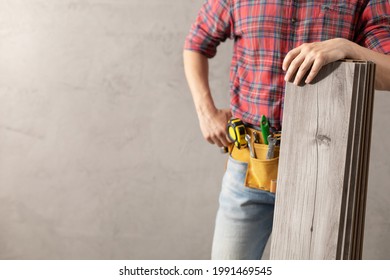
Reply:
x=236, y=133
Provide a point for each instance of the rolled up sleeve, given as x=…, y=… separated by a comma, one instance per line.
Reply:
x=374, y=26
x=213, y=25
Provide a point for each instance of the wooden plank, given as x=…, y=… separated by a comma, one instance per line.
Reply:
x=288, y=235
x=355, y=250
x=366, y=159
x=355, y=208
x=347, y=207
x=354, y=183
x=312, y=165
x=358, y=226
x=329, y=195
x=320, y=208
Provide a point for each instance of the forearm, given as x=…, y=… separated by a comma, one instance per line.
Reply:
x=382, y=61
x=212, y=120
x=197, y=69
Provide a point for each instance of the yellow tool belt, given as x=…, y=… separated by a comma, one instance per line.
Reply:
x=262, y=173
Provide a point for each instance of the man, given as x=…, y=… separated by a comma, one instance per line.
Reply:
x=274, y=41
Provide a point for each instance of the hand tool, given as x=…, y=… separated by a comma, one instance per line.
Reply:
x=278, y=136
x=257, y=137
x=264, y=125
x=251, y=149
x=271, y=147
x=224, y=150
x=236, y=132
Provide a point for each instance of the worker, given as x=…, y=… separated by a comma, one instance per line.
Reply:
x=274, y=42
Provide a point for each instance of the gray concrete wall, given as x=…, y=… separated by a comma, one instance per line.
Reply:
x=101, y=155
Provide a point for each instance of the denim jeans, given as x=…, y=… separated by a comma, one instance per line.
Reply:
x=244, y=219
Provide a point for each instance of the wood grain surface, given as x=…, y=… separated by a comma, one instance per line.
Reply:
x=323, y=165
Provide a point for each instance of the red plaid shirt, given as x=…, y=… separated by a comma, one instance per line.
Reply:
x=263, y=33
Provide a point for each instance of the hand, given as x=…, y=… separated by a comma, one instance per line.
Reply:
x=213, y=126
x=312, y=57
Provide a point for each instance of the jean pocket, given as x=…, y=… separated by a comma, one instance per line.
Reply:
x=236, y=171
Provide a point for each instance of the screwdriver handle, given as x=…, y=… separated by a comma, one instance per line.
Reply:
x=264, y=128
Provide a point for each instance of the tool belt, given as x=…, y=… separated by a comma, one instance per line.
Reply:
x=261, y=173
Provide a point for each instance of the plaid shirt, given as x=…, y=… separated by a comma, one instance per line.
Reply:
x=264, y=32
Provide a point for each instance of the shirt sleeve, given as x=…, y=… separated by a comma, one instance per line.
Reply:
x=374, y=26
x=213, y=25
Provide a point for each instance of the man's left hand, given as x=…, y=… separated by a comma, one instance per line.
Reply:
x=312, y=57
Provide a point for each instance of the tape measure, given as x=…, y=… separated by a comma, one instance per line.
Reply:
x=236, y=133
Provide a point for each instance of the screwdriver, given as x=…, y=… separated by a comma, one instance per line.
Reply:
x=264, y=128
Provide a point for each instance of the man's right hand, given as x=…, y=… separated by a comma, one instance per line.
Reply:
x=213, y=126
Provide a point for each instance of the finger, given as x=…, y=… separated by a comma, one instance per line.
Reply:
x=210, y=140
x=228, y=139
x=317, y=65
x=218, y=142
x=294, y=65
x=303, y=69
x=291, y=55
x=225, y=140
x=222, y=137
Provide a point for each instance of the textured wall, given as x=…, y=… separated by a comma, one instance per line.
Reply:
x=100, y=151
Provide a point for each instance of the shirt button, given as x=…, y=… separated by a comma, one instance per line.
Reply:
x=293, y=20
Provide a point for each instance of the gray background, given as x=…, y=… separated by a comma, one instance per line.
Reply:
x=101, y=155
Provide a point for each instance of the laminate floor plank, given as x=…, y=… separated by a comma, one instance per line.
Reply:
x=356, y=164
x=347, y=207
x=366, y=160
x=359, y=186
x=312, y=161
x=323, y=167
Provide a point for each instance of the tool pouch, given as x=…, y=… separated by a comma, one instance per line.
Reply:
x=261, y=173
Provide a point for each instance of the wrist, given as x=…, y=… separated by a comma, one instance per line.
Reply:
x=206, y=109
x=352, y=50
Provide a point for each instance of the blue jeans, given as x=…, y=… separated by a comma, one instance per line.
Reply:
x=244, y=219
